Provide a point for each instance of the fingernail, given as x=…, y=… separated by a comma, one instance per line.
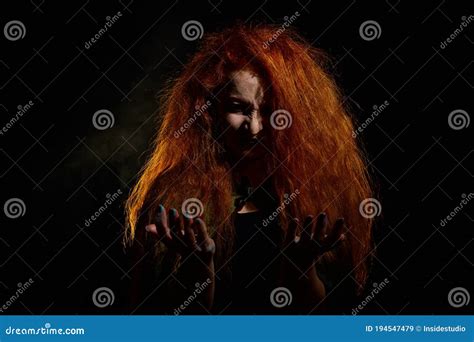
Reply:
x=322, y=217
x=147, y=227
x=161, y=208
x=174, y=212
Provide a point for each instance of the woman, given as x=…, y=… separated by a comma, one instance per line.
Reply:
x=250, y=200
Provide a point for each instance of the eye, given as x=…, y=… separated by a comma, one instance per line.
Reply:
x=266, y=110
x=235, y=107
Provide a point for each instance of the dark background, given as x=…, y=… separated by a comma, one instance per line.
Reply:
x=62, y=167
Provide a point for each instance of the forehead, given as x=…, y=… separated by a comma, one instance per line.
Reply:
x=246, y=85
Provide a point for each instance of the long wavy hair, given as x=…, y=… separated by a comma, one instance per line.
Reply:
x=316, y=154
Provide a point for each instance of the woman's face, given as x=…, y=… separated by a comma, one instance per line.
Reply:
x=242, y=107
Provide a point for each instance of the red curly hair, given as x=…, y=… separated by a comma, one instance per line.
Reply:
x=316, y=155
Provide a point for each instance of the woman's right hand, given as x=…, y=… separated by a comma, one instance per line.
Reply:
x=189, y=239
x=182, y=235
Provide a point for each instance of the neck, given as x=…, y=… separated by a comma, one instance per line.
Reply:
x=254, y=170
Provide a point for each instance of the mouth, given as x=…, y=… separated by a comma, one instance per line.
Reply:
x=249, y=143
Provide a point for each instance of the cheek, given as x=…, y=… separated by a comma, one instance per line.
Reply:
x=234, y=120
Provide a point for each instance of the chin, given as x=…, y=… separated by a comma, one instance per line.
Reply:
x=252, y=154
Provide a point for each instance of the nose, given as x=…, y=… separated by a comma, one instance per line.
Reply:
x=254, y=123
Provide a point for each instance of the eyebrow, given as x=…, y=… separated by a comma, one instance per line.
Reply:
x=239, y=99
x=245, y=101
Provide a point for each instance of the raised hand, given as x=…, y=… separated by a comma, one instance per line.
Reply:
x=189, y=240
x=306, y=242
x=303, y=245
x=185, y=236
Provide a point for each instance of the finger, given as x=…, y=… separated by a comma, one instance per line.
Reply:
x=189, y=235
x=201, y=231
x=187, y=222
x=161, y=225
x=151, y=228
x=172, y=218
x=291, y=232
x=175, y=225
x=159, y=233
x=307, y=228
x=160, y=229
x=335, y=236
x=320, y=228
x=164, y=234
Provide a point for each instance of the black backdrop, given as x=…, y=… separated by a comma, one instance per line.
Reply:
x=61, y=167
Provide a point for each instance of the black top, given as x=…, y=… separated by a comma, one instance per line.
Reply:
x=255, y=264
x=255, y=267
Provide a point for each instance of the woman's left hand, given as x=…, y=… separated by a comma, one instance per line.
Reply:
x=305, y=243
